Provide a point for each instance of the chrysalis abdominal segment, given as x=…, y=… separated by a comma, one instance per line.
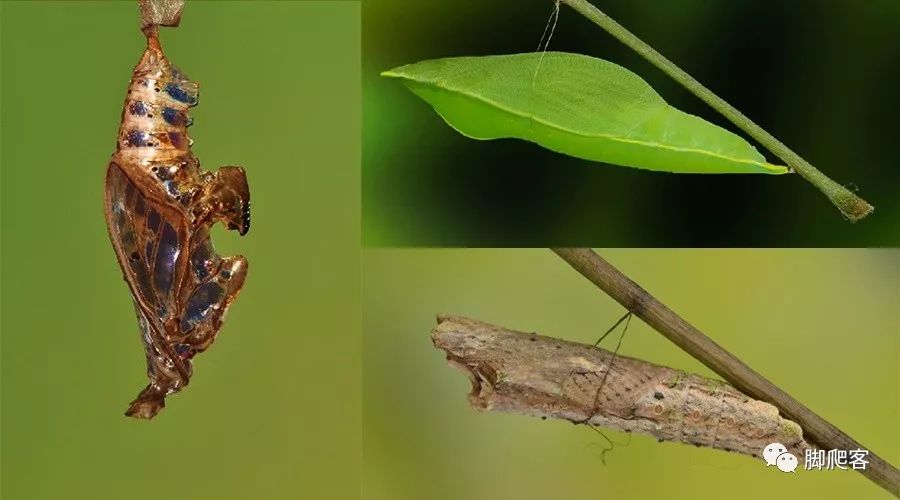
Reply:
x=159, y=208
x=534, y=375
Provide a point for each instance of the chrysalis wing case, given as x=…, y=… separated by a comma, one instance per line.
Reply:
x=159, y=208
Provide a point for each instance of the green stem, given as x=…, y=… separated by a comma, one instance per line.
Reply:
x=852, y=206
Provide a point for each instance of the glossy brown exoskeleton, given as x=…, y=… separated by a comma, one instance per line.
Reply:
x=159, y=209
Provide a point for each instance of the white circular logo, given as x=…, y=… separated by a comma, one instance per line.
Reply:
x=776, y=454
x=786, y=462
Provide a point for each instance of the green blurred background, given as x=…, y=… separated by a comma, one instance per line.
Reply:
x=822, y=324
x=822, y=76
x=273, y=408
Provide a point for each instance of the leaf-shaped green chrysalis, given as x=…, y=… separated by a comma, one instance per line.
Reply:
x=579, y=106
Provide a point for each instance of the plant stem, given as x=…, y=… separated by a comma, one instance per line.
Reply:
x=530, y=374
x=160, y=13
x=852, y=206
x=816, y=429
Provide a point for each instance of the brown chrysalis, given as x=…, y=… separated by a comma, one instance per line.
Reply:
x=531, y=374
x=159, y=209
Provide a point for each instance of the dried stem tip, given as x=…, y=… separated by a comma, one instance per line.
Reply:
x=160, y=13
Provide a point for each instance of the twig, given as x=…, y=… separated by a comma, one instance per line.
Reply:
x=816, y=429
x=160, y=13
x=541, y=376
x=852, y=206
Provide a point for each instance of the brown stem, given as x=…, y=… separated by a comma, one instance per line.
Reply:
x=816, y=429
x=159, y=13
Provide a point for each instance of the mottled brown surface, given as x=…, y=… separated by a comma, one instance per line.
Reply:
x=160, y=206
x=531, y=374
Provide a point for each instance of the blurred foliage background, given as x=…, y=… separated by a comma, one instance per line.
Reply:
x=820, y=76
x=280, y=96
x=821, y=324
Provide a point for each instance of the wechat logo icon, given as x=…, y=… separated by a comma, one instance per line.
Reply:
x=776, y=454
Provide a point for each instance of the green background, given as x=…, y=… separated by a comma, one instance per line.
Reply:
x=822, y=76
x=824, y=325
x=276, y=408
x=273, y=409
